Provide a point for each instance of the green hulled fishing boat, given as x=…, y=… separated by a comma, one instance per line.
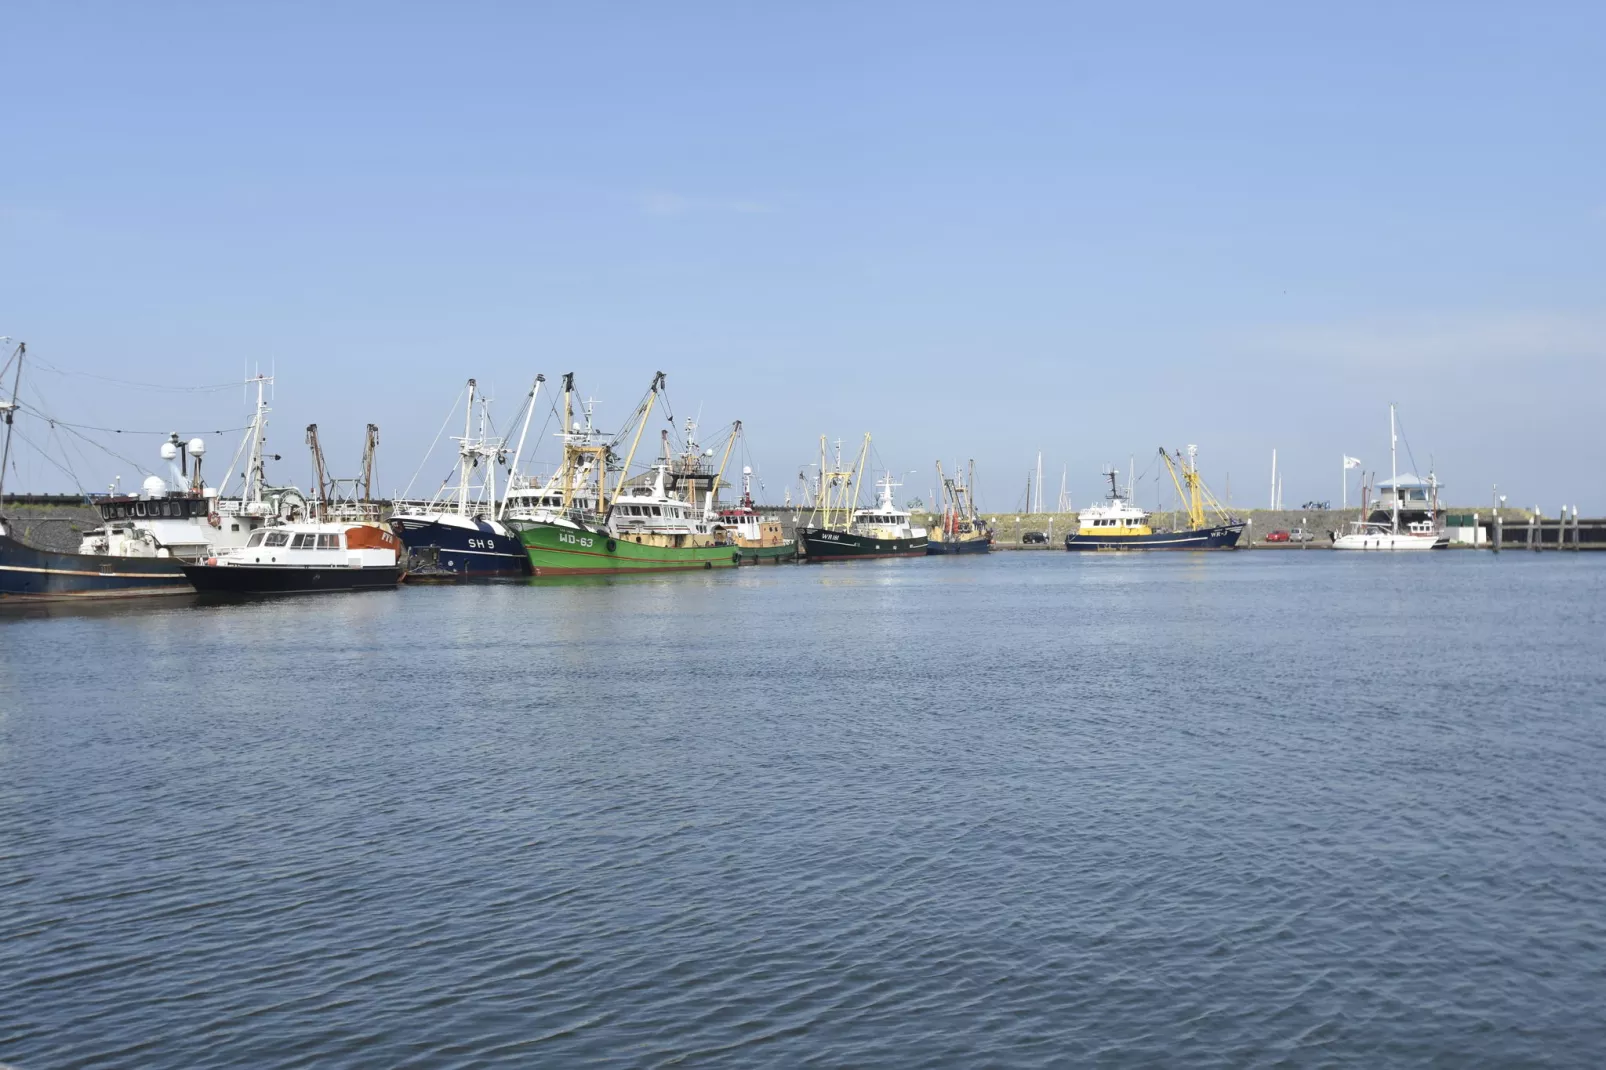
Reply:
x=644, y=528
x=561, y=548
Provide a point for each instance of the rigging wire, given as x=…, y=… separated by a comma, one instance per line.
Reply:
x=449, y=414
x=45, y=365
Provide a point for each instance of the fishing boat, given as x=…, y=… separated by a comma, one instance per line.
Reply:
x=1405, y=518
x=528, y=499
x=32, y=573
x=303, y=558
x=759, y=538
x=463, y=529
x=1119, y=524
x=962, y=529
x=837, y=531
x=181, y=517
x=649, y=528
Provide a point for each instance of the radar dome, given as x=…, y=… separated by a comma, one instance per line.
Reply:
x=197, y=447
x=155, y=486
x=709, y=452
x=747, y=469
x=169, y=452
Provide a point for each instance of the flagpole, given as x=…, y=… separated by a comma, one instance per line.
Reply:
x=1344, y=475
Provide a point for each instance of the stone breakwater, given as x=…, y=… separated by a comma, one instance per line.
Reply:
x=51, y=527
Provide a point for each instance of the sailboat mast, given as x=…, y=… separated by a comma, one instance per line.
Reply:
x=11, y=410
x=1394, y=468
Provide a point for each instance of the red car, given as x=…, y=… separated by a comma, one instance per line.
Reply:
x=1277, y=536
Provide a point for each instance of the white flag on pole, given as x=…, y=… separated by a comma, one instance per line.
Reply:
x=1351, y=462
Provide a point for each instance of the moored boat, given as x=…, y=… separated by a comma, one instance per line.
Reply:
x=759, y=538
x=463, y=530
x=645, y=528
x=837, y=531
x=1407, y=518
x=961, y=529
x=304, y=558
x=31, y=573
x=1120, y=525
x=181, y=517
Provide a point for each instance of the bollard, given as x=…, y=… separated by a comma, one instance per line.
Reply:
x=1499, y=526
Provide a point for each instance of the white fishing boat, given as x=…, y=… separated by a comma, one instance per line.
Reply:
x=181, y=517
x=1405, y=518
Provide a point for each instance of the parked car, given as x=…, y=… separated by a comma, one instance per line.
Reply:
x=1300, y=535
x=1277, y=536
x=1034, y=537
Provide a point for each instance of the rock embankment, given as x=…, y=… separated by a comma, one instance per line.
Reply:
x=51, y=527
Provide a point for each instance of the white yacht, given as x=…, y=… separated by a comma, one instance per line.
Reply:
x=1406, y=517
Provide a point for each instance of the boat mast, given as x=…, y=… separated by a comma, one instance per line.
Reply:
x=320, y=482
x=513, y=469
x=485, y=452
x=567, y=472
x=463, y=452
x=713, y=491
x=369, y=446
x=646, y=413
x=1394, y=469
x=9, y=407
x=858, y=480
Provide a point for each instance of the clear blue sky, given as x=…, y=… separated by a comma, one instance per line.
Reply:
x=975, y=230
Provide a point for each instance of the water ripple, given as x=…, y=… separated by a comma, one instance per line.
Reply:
x=1235, y=811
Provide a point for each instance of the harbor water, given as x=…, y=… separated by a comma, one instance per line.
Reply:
x=1222, y=810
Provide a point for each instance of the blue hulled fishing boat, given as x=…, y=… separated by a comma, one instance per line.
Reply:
x=461, y=531
x=1120, y=525
x=31, y=573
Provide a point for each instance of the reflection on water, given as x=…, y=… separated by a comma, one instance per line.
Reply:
x=1034, y=808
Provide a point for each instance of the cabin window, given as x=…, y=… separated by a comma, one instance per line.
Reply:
x=276, y=538
x=656, y=511
x=255, y=539
x=301, y=540
x=328, y=541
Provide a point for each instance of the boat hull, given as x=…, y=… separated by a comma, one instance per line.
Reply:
x=763, y=555
x=463, y=545
x=958, y=546
x=289, y=579
x=1390, y=542
x=555, y=550
x=824, y=544
x=28, y=574
x=1221, y=537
